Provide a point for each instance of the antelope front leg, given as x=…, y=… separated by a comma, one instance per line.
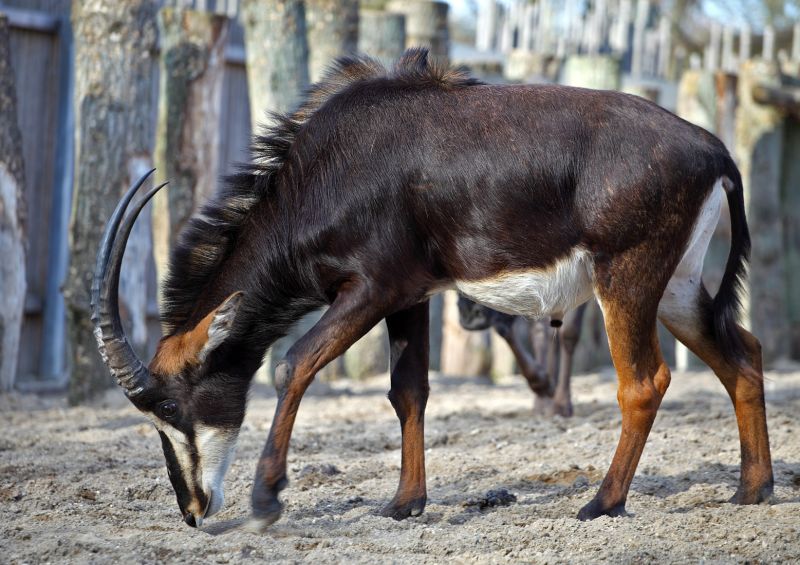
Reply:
x=515, y=331
x=408, y=337
x=350, y=316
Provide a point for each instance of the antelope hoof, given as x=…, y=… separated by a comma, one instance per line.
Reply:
x=266, y=511
x=562, y=408
x=261, y=519
x=402, y=510
x=752, y=496
x=595, y=509
x=259, y=524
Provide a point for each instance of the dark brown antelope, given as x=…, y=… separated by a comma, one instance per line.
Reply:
x=544, y=356
x=384, y=188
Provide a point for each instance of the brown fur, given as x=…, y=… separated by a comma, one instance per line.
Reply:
x=176, y=352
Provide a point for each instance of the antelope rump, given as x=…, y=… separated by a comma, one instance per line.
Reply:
x=386, y=187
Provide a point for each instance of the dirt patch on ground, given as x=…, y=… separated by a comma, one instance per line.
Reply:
x=89, y=484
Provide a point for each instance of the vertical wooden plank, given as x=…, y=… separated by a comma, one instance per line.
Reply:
x=744, y=43
x=53, y=359
x=790, y=204
x=759, y=149
x=768, y=45
x=639, y=26
x=12, y=218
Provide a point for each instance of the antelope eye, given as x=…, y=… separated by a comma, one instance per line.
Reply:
x=168, y=409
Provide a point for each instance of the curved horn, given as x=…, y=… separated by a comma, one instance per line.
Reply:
x=117, y=353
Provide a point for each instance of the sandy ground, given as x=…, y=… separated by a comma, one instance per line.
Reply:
x=89, y=484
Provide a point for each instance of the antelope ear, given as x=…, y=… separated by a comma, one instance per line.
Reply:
x=221, y=324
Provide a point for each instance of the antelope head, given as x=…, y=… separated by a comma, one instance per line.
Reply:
x=191, y=391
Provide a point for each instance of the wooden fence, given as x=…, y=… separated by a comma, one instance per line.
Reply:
x=41, y=56
x=630, y=31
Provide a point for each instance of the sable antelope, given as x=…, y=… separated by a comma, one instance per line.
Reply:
x=549, y=370
x=384, y=188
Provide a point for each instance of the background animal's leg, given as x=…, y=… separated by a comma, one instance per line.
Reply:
x=408, y=338
x=570, y=333
x=350, y=316
x=541, y=343
x=686, y=314
x=643, y=380
x=516, y=333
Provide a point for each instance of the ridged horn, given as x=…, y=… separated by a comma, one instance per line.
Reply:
x=117, y=353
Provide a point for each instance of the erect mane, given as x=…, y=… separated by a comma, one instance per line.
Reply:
x=210, y=235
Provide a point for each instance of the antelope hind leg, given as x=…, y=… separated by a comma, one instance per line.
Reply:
x=683, y=313
x=643, y=379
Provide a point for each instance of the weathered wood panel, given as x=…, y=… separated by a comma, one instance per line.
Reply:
x=12, y=218
x=35, y=59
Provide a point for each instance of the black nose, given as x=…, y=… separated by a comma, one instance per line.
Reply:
x=189, y=519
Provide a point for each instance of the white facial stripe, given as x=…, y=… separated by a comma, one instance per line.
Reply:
x=216, y=448
x=182, y=449
x=538, y=292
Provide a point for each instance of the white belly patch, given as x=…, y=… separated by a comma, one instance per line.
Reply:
x=536, y=293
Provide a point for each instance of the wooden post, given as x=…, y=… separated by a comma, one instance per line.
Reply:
x=277, y=55
x=790, y=200
x=486, y=25
x=639, y=25
x=12, y=218
x=188, y=134
x=369, y=355
x=426, y=25
x=728, y=59
x=759, y=150
x=601, y=72
x=664, y=48
x=711, y=59
x=464, y=353
x=114, y=44
x=768, y=45
x=53, y=359
x=332, y=31
x=744, y=43
x=382, y=35
x=795, y=55
x=276, y=45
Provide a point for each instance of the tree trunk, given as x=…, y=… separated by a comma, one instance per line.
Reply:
x=426, y=26
x=332, y=31
x=277, y=55
x=277, y=73
x=188, y=134
x=382, y=35
x=12, y=218
x=759, y=150
x=115, y=41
